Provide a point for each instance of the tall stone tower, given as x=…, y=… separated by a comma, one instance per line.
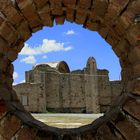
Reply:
x=91, y=86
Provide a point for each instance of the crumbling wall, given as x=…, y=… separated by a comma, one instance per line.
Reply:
x=116, y=89
x=34, y=94
x=104, y=90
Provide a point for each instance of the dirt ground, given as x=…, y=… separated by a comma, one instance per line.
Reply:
x=66, y=120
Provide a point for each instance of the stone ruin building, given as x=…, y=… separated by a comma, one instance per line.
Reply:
x=53, y=87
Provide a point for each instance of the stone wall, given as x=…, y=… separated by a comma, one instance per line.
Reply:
x=34, y=96
x=104, y=90
x=116, y=89
x=88, y=90
x=64, y=94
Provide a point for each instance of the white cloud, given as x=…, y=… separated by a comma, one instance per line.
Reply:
x=23, y=81
x=14, y=84
x=46, y=47
x=70, y=32
x=44, y=56
x=15, y=75
x=29, y=60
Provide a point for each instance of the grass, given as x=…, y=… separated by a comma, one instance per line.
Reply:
x=66, y=120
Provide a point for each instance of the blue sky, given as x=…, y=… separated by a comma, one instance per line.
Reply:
x=69, y=42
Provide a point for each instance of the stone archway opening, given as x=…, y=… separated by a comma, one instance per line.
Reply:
x=116, y=21
x=73, y=92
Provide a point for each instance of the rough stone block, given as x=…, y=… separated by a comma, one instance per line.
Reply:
x=129, y=15
x=24, y=30
x=13, y=15
x=108, y=133
x=10, y=70
x=59, y=20
x=4, y=63
x=3, y=46
x=28, y=9
x=81, y=16
x=45, y=16
x=104, y=31
x=133, y=34
x=120, y=27
x=93, y=26
x=114, y=9
x=9, y=125
x=88, y=136
x=113, y=38
x=132, y=107
x=12, y=55
x=136, y=70
x=40, y=3
x=1, y=19
x=69, y=3
x=121, y=47
x=57, y=11
x=8, y=33
x=19, y=46
x=84, y=4
x=134, y=55
x=100, y=8
x=56, y=2
x=136, y=86
x=56, y=7
x=132, y=132
x=3, y=108
x=27, y=133
x=70, y=14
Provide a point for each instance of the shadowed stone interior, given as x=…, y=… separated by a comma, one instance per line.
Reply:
x=115, y=20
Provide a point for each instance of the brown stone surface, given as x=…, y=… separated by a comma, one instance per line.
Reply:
x=81, y=16
x=40, y=3
x=120, y=20
x=129, y=129
x=13, y=15
x=84, y=4
x=99, y=9
x=59, y=20
x=121, y=47
x=136, y=87
x=24, y=30
x=69, y=3
x=132, y=107
x=32, y=17
x=8, y=126
x=27, y=134
x=70, y=14
x=107, y=132
x=45, y=16
x=8, y=33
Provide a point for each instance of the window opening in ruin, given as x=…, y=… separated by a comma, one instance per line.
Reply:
x=65, y=74
x=24, y=100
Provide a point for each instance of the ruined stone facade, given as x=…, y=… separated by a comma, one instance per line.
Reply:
x=52, y=87
x=116, y=21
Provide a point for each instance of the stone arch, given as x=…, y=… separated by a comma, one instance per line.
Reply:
x=91, y=66
x=116, y=21
x=60, y=66
x=63, y=67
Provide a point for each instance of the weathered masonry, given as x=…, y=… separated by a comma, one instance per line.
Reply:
x=117, y=21
x=52, y=87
